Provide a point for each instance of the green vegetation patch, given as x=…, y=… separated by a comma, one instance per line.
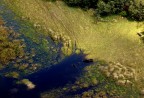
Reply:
x=133, y=9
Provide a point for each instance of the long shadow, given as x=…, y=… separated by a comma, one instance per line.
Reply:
x=50, y=78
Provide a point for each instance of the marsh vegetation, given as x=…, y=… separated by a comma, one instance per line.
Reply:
x=60, y=51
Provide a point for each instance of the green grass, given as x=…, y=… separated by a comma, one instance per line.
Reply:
x=114, y=41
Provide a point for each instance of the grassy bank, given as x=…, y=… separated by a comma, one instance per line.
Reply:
x=110, y=39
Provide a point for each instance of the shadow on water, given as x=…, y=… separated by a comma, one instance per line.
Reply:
x=50, y=78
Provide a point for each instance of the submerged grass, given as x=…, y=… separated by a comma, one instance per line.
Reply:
x=30, y=51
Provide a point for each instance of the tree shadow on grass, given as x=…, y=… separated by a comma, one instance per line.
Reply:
x=54, y=77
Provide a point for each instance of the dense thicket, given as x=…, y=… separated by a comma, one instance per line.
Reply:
x=128, y=8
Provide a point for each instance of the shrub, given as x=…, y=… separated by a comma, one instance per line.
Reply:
x=10, y=46
x=12, y=74
x=123, y=13
x=127, y=8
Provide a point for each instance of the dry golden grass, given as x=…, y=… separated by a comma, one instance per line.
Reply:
x=110, y=41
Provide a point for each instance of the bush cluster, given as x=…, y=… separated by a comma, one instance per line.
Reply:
x=10, y=48
x=132, y=9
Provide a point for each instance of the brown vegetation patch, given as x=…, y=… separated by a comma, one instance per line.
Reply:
x=122, y=74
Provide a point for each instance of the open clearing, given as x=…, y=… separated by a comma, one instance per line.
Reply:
x=115, y=40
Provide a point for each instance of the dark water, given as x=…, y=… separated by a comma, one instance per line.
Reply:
x=45, y=79
x=57, y=76
x=49, y=78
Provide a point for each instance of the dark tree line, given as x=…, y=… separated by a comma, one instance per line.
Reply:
x=128, y=8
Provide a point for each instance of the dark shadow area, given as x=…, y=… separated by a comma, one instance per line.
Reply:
x=49, y=78
x=5, y=85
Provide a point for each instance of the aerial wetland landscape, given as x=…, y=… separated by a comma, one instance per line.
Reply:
x=71, y=48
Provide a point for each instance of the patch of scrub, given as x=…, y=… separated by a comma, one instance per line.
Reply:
x=40, y=50
x=26, y=82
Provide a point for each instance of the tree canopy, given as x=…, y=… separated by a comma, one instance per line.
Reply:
x=132, y=9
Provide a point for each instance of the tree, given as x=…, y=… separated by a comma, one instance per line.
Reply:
x=128, y=8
